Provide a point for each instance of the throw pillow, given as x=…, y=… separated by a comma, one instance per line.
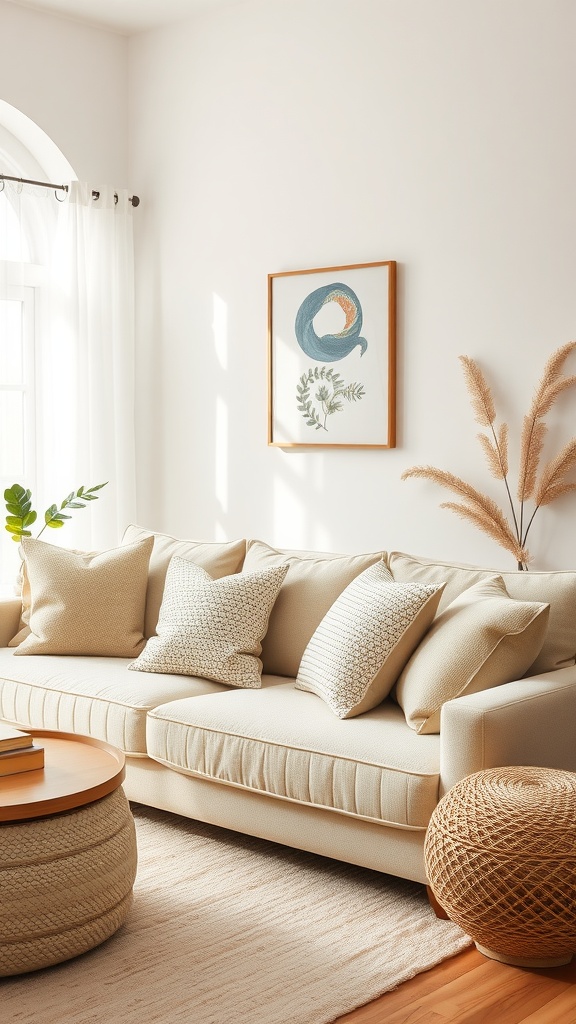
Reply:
x=26, y=598
x=218, y=558
x=557, y=588
x=483, y=639
x=313, y=582
x=359, y=649
x=86, y=604
x=212, y=628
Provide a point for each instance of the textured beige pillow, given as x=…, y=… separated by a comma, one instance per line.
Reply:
x=558, y=589
x=365, y=639
x=483, y=639
x=89, y=604
x=218, y=558
x=313, y=583
x=212, y=628
x=26, y=598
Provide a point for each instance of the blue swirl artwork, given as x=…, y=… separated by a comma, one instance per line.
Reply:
x=330, y=347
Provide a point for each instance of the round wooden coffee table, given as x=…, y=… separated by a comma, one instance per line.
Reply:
x=67, y=853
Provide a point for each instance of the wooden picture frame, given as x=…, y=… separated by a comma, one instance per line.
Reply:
x=332, y=357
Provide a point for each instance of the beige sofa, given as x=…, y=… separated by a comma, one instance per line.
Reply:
x=276, y=761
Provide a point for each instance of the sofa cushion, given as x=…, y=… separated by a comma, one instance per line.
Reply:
x=212, y=628
x=218, y=558
x=94, y=696
x=365, y=639
x=85, y=603
x=286, y=743
x=312, y=584
x=558, y=589
x=482, y=639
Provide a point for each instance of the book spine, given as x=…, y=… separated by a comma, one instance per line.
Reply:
x=28, y=760
x=22, y=742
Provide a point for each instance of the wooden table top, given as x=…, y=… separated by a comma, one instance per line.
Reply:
x=77, y=770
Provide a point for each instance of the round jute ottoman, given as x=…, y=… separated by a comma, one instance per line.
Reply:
x=65, y=882
x=500, y=855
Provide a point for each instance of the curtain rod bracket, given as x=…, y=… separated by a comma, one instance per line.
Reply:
x=135, y=200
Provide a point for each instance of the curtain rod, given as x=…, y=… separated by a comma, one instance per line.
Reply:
x=135, y=200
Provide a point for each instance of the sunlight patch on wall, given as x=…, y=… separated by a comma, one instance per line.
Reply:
x=290, y=514
x=221, y=439
x=220, y=328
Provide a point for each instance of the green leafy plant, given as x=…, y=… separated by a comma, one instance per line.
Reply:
x=21, y=516
x=327, y=396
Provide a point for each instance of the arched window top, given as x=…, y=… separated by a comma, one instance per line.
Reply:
x=27, y=152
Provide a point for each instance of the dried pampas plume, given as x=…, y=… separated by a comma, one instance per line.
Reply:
x=552, y=482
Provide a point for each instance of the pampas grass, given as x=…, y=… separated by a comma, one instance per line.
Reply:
x=542, y=486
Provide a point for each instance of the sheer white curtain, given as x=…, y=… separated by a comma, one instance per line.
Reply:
x=87, y=370
x=27, y=222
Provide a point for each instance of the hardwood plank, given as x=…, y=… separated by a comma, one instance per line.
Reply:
x=561, y=1010
x=471, y=989
x=408, y=994
x=493, y=991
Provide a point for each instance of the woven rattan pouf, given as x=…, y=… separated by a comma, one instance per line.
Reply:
x=65, y=883
x=500, y=854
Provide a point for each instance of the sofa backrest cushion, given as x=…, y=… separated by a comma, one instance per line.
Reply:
x=313, y=582
x=482, y=639
x=217, y=558
x=558, y=589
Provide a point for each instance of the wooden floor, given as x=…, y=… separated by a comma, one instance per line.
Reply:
x=470, y=989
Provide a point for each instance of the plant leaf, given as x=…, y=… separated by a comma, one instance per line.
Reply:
x=533, y=434
x=496, y=527
x=479, y=391
x=552, y=483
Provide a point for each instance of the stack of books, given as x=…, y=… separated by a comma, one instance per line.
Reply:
x=18, y=752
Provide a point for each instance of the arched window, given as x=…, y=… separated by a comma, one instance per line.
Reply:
x=27, y=225
x=66, y=339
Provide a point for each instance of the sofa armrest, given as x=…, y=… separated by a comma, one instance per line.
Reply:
x=10, y=612
x=531, y=721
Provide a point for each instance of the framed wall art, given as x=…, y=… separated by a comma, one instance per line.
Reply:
x=332, y=357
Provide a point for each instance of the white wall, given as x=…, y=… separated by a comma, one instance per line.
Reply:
x=310, y=133
x=72, y=81
x=274, y=135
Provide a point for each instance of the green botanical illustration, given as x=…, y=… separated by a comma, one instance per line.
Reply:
x=327, y=398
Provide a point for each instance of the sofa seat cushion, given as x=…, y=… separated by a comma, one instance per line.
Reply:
x=94, y=696
x=287, y=743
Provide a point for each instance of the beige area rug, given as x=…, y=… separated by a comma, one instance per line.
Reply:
x=226, y=929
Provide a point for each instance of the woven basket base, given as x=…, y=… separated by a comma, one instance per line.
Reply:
x=65, y=883
x=520, y=961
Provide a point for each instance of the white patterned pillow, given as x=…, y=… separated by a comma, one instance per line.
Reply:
x=365, y=639
x=212, y=628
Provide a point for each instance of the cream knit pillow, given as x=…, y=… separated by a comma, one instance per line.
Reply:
x=86, y=604
x=365, y=639
x=212, y=628
x=483, y=639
